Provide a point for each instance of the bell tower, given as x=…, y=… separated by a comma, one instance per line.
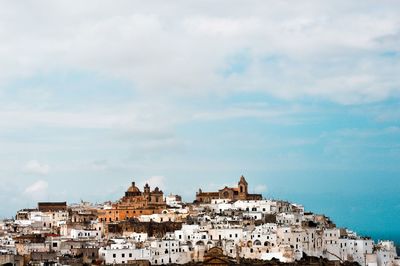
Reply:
x=146, y=189
x=242, y=186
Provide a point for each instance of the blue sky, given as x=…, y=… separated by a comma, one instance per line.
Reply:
x=301, y=98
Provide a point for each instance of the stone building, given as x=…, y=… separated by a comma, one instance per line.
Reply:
x=236, y=193
x=134, y=203
x=52, y=206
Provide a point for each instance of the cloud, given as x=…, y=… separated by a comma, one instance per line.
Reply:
x=260, y=188
x=155, y=181
x=36, y=168
x=99, y=165
x=318, y=49
x=37, y=190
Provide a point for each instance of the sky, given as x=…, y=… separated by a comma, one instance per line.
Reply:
x=301, y=97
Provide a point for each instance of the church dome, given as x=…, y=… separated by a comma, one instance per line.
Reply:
x=133, y=190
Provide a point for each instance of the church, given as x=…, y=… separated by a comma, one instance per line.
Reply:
x=236, y=193
x=134, y=203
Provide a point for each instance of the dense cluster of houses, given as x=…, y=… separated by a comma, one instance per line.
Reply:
x=220, y=231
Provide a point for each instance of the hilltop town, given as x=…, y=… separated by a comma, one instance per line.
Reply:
x=145, y=227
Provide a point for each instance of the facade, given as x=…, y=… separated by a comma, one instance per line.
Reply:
x=237, y=193
x=133, y=204
x=52, y=206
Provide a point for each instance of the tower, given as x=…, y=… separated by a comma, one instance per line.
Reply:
x=242, y=186
x=147, y=189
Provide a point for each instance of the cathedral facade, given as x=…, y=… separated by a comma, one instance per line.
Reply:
x=230, y=193
x=134, y=203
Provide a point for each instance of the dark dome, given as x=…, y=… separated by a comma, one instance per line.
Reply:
x=133, y=190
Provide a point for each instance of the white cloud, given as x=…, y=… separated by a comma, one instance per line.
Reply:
x=37, y=190
x=260, y=188
x=312, y=48
x=154, y=181
x=99, y=165
x=36, y=167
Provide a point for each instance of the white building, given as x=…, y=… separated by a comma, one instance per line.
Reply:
x=121, y=252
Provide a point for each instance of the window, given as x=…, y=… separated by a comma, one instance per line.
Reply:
x=114, y=255
x=123, y=255
x=54, y=244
